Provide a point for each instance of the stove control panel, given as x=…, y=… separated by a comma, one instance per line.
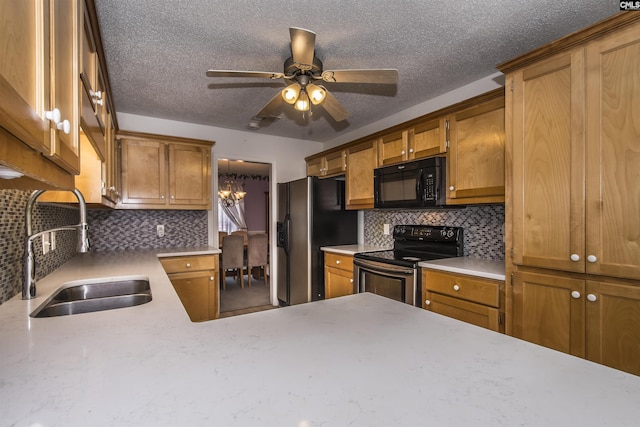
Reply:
x=429, y=233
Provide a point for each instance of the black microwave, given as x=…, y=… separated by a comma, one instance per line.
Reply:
x=418, y=184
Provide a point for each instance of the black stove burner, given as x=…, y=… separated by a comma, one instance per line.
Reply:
x=415, y=243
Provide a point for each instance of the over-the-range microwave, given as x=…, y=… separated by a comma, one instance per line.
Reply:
x=418, y=184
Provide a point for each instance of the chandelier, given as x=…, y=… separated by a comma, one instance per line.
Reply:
x=231, y=193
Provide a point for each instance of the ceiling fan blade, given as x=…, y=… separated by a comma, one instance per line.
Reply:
x=303, y=45
x=269, y=109
x=254, y=74
x=380, y=76
x=333, y=107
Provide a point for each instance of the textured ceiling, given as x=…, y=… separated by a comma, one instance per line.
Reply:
x=158, y=51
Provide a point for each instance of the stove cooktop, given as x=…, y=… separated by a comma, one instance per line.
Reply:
x=399, y=257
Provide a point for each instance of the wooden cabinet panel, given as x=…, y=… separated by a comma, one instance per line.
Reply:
x=361, y=161
x=548, y=163
x=315, y=167
x=335, y=163
x=613, y=155
x=476, y=314
x=479, y=290
x=613, y=325
x=393, y=148
x=476, y=154
x=189, y=263
x=549, y=310
x=428, y=139
x=189, y=175
x=338, y=275
x=144, y=179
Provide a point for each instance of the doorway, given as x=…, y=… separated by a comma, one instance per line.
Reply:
x=242, y=207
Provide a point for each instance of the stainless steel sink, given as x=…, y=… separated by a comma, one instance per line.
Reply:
x=96, y=295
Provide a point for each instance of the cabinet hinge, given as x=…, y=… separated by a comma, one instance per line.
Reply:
x=511, y=85
x=511, y=279
x=500, y=319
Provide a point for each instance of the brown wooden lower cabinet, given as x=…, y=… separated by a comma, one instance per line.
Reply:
x=338, y=275
x=195, y=280
x=595, y=319
x=471, y=299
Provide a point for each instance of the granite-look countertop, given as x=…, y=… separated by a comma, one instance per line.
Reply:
x=490, y=269
x=354, y=249
x=356, y=360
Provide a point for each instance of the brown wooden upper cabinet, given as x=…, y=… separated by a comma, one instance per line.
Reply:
x=362, y=159
x=39, y=89
x=425, y=139
x=475, y=169
x=330, y=164
x=159, y=172
x=575, y=171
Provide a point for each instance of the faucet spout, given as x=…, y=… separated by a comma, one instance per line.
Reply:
x=82, y=228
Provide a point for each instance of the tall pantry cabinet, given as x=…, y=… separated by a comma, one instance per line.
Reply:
x=573, y=193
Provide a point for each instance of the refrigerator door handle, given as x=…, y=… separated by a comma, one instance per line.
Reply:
x=287, y=235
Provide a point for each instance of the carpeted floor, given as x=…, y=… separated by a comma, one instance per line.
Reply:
x=237, y=298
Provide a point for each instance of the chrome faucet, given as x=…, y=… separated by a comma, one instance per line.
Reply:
x=29, y=279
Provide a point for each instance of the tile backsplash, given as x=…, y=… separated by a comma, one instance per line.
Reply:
x=483, y=226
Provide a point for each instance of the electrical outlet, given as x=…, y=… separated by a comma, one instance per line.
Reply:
x=386, y=229
x=53, y=240
x=46, y=243
x=160, y=230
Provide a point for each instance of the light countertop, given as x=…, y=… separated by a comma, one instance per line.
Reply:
x=354, y=249
x=480, y=267
x=197, y=250
x=357, y=360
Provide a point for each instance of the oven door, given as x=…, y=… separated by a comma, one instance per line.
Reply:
x=388, y=280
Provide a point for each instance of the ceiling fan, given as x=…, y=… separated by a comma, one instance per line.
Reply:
x=302, y=70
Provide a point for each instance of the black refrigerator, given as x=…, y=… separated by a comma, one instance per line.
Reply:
x=311, y=214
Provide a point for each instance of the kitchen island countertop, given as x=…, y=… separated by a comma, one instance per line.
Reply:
x=355, y=360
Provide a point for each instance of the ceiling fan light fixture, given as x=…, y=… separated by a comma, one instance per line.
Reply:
x=316, y=94
x=302, y=104
x=290, y=93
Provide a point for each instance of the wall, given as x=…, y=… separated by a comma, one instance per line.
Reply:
x=255, y=205
x=483, y=226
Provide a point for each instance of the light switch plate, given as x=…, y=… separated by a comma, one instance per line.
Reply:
x=386, y=229
x=160, y=230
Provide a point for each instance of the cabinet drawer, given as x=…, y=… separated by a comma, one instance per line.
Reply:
x=343, y=262
x=482, y=291
x=189, y=263
x=476, y=314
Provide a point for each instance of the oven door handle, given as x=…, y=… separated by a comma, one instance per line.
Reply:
x=377, y=268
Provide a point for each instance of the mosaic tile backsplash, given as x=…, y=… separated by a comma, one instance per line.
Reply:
x=483, y=226
x=108, y=230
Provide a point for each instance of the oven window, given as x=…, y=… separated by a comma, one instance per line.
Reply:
x=390, y=287
x=403, y=188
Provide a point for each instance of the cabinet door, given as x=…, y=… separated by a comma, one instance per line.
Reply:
x=189, y=174
x=476, y=314
x=428, y=139
x=548, y=163
x=613, y=325
x=337, y=282
x=24, y=71
x=315, y=167
x=144, y=179
x=361, y=161
x=613, y=155
x=476, y=154
x=65, y=85
x=335, y=163
x=549, y=311
x=198, y=292
x=393, y=148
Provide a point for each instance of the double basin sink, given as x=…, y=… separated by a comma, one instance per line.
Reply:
x=91, y=295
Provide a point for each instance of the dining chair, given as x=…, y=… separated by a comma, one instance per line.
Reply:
x=257, y=254
x=244, y=235
x=232, y=258
x=221, y=234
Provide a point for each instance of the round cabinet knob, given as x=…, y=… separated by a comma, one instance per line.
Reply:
x=403, y=152
x=211, y=278
x=64, y=126
x=451, y=188
x=456, y=287
x=53, y=115
x=575, y=257
x=592, y=258
x=99, y=102
x=411, y=150
x=575, y=294
x=173, y=197
x=592, y=297
x=188, y=265
x=337, y=261
x=350, y=280
x=427, y=302
x=162, y=197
